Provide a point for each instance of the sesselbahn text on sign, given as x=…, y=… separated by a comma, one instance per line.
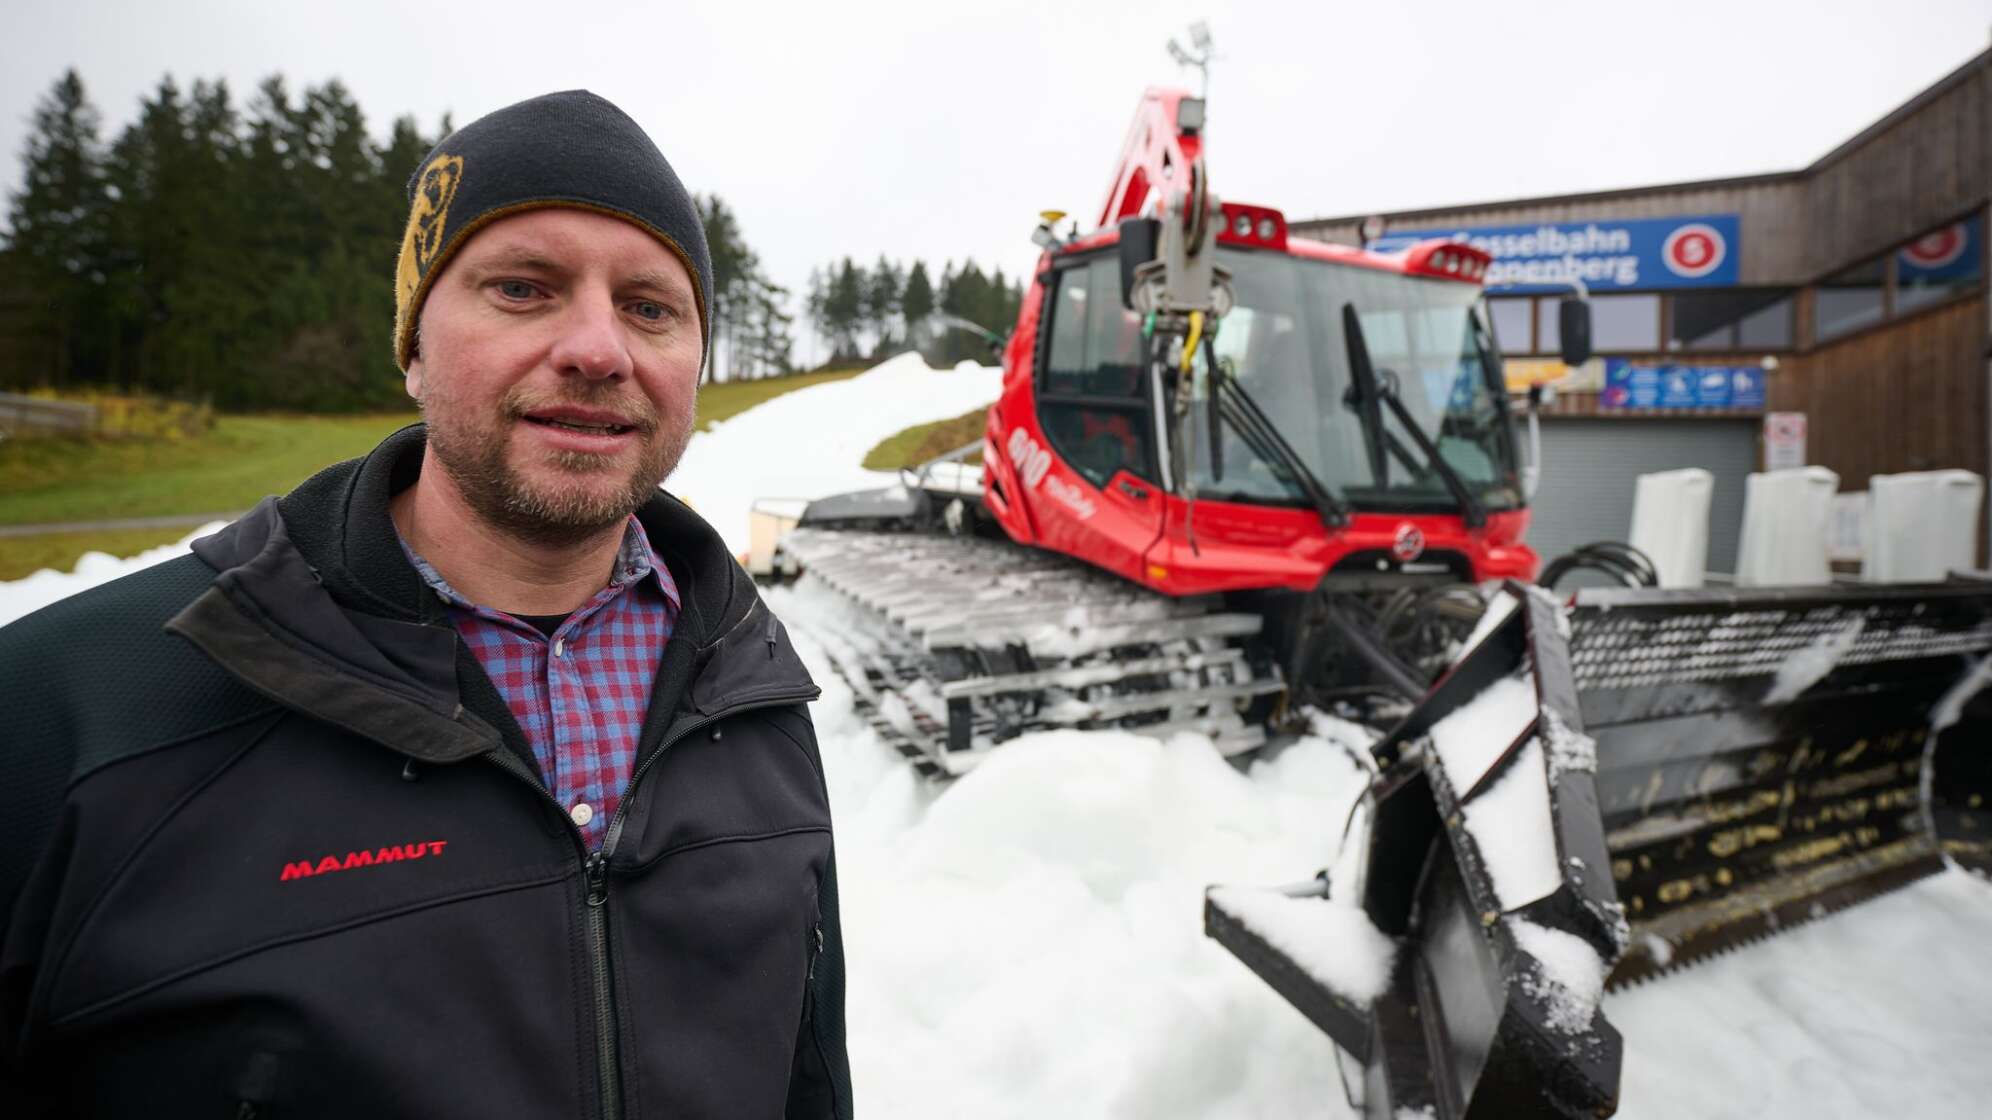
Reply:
x=1696, y=251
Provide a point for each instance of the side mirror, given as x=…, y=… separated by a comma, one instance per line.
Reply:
x=1138, y=240
x=1573, y=322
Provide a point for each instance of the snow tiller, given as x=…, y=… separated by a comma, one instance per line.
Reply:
x=1593, y=797
x=1234, y=476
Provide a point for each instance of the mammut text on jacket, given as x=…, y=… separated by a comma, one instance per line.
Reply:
x=272, y=845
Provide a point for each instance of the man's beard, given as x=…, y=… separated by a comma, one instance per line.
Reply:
x=474, y=452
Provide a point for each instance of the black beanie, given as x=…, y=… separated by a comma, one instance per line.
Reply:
x=570, y=149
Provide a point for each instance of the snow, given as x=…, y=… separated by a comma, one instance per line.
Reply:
x=1029, y=941
x=1569, y=749
x=1882, y=1010
x=1808, y=666
x=1571, y=978
x=1510, y=820
x=1499, y=607
x=1472, y=739
x=33, y=592
x=1510, y=823
x=1331, y=941
x=808, y=443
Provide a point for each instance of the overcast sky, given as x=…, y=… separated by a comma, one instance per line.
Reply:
x=938, y=130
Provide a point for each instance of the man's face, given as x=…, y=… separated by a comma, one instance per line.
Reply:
x=557, y=363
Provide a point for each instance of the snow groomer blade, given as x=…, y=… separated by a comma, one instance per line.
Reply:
x=1485, y=873
x=1767, y=756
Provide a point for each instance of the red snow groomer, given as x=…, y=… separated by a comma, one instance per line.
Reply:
x=1236, y=477
x=1273, y=467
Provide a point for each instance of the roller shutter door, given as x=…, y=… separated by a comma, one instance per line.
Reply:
x=1589, y=468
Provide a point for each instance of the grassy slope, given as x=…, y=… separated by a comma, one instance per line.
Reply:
x=229, y=469
x=921, y=442
x=728, y=398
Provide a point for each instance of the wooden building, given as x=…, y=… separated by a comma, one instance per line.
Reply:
x=1857, y=286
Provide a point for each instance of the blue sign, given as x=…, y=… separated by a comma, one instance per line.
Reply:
x=1608, y=255
x=1746, y=387
x=1950, y=253
x=1712, y=387
x=1631, y=386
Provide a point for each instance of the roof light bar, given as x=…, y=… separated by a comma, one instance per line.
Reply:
x=1447, y=260
x=1257, y=226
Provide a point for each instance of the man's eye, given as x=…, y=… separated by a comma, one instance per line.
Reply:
x=515, y=289
x=651, y=310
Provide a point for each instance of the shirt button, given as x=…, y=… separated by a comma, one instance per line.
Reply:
x=582, y=814
x=559, y=646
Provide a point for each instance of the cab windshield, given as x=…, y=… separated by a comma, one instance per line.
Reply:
x=1284, y=343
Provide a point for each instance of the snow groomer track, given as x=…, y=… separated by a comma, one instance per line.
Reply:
x=965, y=643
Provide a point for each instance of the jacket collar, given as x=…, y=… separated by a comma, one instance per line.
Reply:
x=315, y=603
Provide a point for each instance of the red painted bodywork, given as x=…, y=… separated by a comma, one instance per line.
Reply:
x=1133, y=529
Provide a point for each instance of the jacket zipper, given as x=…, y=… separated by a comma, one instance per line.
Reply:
x=605, y=1021
x=595, y=866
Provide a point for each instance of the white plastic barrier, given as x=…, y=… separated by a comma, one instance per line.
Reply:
x=1670, y=523
x=1786, y=515
x=1921, y=526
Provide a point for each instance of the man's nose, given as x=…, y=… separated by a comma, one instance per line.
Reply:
x=591, y=342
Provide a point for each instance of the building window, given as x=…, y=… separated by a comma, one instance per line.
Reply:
x=1850, y=300
x=1618, y=322
x=1736, y=319
x=1941, y=263
x=1511, y=317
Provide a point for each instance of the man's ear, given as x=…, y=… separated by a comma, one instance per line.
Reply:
x=411, y=377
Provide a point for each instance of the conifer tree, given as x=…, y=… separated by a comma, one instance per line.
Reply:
x=882, y=294
x=844, y=309
x=58, y=219
x=916, y=302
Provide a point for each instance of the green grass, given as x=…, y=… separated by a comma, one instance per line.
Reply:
x=724, y=399
x=230, y=468
x=23, y=556
x=921, y=442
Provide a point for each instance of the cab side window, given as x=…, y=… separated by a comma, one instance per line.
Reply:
x=1092, y=398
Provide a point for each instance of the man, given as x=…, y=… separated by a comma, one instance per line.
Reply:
x=471, y=778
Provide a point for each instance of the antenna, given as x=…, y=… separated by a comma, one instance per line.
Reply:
x=1203, y=56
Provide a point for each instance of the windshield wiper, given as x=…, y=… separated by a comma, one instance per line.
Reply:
x=1373, y=391
x=1246, y=418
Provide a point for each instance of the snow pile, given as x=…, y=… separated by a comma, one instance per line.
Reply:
x=32, y=593
x=1572, y=975
x=1810, y=665
x=1029, y=941
x=808, y=443
x=1471, y=740
x=1331, y=941
x=1881, y=1010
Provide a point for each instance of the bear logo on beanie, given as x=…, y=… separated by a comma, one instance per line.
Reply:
x=426, y=219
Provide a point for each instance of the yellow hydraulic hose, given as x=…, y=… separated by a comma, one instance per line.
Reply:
x=1190, y=343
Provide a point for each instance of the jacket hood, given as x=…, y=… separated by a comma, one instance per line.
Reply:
x=314, y=595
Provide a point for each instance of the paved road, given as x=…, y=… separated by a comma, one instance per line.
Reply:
x=112, y=525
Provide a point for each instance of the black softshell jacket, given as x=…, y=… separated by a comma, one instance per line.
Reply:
x=271, y=845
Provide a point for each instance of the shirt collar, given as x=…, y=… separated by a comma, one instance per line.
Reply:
x=635, y=559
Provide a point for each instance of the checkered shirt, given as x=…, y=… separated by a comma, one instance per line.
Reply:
x=579, y=695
